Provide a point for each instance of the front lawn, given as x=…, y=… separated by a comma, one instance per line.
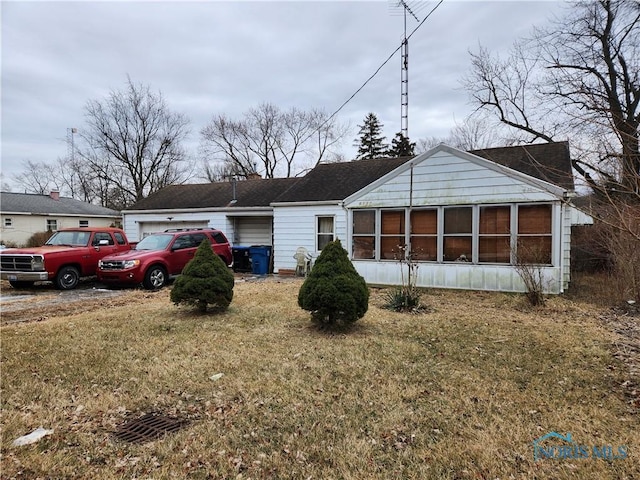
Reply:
x=460, y=392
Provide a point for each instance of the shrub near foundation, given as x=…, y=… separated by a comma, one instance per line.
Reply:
x=334, y=292
x=205, y=280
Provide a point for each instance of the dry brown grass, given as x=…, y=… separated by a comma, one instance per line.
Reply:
x=460, y=392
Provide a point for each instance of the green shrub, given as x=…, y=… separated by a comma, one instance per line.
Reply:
x=205, y=280
x=334, y=292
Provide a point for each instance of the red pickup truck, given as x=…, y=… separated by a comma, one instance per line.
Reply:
x=69, y=254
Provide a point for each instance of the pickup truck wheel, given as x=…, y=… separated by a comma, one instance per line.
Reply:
x=155, y=278
x=67, y=278
x=21, y=283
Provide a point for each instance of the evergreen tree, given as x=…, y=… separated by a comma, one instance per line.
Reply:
x=371, y=142
x=205, y=280
x=334, y=292
x=401, y=146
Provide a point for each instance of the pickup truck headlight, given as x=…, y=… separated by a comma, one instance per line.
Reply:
x=37, y=263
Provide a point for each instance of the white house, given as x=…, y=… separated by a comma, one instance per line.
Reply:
x=464, y=216
x=23, y=214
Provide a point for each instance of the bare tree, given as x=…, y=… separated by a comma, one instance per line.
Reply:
x=267, y=139
x=133, y=144
x=474, y=133
x=578, y=79
x=37, y=177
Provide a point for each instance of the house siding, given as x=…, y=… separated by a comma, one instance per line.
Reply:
x=445, y=179
x=296, y=227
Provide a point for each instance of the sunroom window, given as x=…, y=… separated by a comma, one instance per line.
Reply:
x=424, y=235
x=494, y=245
x=392, y=240
x=458, y=234
x=534, y=234
x=364, y=234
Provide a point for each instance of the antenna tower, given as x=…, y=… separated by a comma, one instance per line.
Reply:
x=404, y=69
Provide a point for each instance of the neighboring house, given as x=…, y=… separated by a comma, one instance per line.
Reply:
x=23, y=214
x=464, y=215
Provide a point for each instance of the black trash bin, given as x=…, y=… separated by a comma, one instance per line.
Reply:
x=241, y=259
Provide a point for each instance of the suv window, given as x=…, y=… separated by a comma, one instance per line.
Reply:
x=218, y=237
x=183, y=241
x=198, y=238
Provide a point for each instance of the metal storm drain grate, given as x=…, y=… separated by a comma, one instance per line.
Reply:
x=148, y=427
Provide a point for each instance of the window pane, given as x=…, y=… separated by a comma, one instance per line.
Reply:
x=325, y=224
x=323, y=240
x=534, y=219
x=495, y=220
x=392, y=221
x=363, y=247
x=495, y=250
x=457, y=249
x=424, y=248
x=457, y=220
x=424, y=221
x=390, y=247
x=535, y=250
x=364, y=222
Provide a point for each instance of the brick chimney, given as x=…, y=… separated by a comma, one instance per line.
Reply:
x=55, y=194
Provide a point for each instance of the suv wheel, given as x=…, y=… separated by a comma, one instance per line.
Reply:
x=155, y=278
x=67, y=278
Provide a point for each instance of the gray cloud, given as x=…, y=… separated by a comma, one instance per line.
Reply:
x=225, y=57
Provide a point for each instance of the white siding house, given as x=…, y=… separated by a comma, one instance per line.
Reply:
x=23, y=214
x=467, y=218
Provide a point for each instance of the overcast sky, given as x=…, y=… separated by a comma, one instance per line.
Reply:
x=209, y=58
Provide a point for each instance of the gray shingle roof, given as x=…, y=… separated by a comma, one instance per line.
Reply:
x=44, y=204
x=336, y=181
x=550, y=162
x=248, y=193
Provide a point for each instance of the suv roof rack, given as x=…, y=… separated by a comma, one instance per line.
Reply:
x=187, y=229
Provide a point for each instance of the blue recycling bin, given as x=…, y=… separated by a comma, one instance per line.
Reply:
x=260, y=259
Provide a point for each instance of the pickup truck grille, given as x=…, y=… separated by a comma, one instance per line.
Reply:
x=18, y=263
x=112, y=265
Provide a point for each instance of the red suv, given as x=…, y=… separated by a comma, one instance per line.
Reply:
x=160, y=256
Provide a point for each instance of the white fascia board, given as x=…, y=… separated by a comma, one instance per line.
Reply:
x=578, y=217
x=483, y=162
x=235, y=210
x=307, y=204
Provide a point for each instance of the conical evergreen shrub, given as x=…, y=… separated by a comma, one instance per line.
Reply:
x=205, y=280
x=334, y=292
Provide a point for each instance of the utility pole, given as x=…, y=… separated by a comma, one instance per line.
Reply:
x=71, y=143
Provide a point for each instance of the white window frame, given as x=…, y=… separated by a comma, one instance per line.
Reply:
x=320, y=234
x=49, y=222
x=83, y=223
x=8, y=222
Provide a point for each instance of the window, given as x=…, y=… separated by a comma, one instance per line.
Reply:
x=494, y=244
x=119, y=238
x=482, y=234
x=364, y=234
x=392, y=239
x=83, y=223
x=424, y=235
x=52, y=225
x=101, y=237
x=534, y=234
x=324, y=231
x=8, y=222
x=458, y=238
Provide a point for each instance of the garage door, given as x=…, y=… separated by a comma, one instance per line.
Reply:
x=253, y=231
x=147, y=228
